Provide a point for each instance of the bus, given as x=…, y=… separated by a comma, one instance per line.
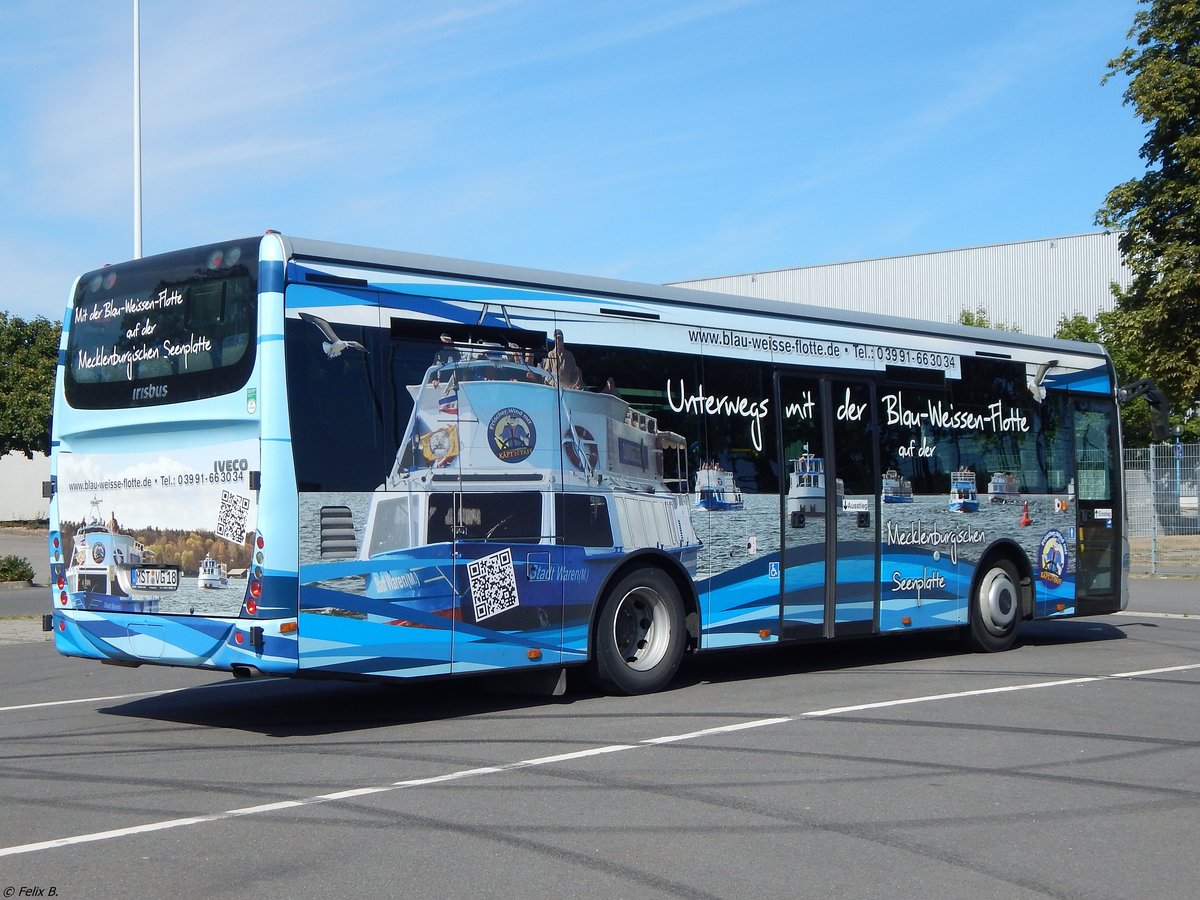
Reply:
x=286, y=457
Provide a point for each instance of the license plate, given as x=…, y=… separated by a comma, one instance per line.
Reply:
x=158, y=578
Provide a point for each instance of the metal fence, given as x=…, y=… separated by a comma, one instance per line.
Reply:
x=1162, y=483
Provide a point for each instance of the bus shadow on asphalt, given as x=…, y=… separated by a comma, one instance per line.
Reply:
x=299, y=707
x=1053, y=633
x=854, y=653
x=277, y=707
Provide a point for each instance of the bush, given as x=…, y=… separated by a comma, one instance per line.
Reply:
x=15, y=568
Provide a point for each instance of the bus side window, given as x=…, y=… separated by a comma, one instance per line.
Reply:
x=582, y=520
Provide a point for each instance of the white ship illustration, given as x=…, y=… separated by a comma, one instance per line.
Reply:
x=806, y=489
x=212, y=574
x=113, y=571
x=716, y=489
x=496, y=456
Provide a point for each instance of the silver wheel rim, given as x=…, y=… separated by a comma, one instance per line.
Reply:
x=641, y=629
x=998, y=602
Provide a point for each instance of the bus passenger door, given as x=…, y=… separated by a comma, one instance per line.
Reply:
x=830, y=507
x=1098, y=515
x=805, y=506
x=853, y=594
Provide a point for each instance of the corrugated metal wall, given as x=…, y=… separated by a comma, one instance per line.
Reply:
x=21, y=480
x=1031, y=284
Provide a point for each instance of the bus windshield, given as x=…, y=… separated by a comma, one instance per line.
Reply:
x=165, y=329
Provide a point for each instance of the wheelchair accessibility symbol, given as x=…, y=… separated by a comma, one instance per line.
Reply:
x=773, y=570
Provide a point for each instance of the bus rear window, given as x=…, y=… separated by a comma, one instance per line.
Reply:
x=165, y=329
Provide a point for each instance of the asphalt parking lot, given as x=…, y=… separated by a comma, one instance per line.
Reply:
x=1066, y=767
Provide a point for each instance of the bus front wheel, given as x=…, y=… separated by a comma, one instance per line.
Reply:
x=640, y=634
x=996, y=608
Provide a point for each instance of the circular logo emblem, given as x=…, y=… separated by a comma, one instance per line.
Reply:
x=98, y=552
x=511, y=435
x=1052, y=557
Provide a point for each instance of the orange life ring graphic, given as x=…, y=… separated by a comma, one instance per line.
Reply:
x=578, y=438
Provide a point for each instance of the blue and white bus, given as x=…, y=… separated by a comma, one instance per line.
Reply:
x=402, y=466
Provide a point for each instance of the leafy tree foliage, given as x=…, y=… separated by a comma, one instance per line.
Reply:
x=1158, y=214
x=980, y=319
x=1109, y=329
x=28, y=357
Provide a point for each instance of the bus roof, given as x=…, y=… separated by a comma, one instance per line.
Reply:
x=422, y=264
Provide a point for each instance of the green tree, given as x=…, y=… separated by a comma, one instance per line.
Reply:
x=28, y=358
x=1158, y=214
x=980, y=319
x=1112, y=330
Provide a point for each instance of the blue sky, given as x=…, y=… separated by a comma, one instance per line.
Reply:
x=655, y=140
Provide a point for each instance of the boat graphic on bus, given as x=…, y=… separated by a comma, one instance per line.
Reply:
x=467, y=503
x=113, y=572
x=964, y=496
x=896, y=488
x=716, y=489
x=1004, y=487
x=806, y=489
x=212, y=574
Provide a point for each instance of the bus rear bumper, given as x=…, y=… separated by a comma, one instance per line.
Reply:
x=267, y=645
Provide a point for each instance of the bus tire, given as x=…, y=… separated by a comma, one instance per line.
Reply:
x=640, y=634
x=995, y=608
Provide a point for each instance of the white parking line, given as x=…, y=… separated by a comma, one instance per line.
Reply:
x=89, y=700
x=195, y=687
x=1008, y=688
x=551, y=760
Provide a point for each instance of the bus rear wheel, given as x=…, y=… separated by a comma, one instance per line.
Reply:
x=640, y=634
x=996, y=608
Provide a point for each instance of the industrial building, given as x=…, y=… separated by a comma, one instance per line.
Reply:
x=1030, y=285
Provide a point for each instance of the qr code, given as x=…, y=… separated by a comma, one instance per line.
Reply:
x=231, y=520
x=493, y=584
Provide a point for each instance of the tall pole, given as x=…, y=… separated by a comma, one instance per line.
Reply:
x=137, y=132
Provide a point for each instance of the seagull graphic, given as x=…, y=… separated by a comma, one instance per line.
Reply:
x=332, y=345
x=1034, y=382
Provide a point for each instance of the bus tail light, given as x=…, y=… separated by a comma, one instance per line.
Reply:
x=254, y=589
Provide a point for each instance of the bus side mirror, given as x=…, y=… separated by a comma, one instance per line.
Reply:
x=1158, y=414
x=1160, y=409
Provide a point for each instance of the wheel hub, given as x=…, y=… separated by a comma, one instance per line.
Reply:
x=999, y=606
